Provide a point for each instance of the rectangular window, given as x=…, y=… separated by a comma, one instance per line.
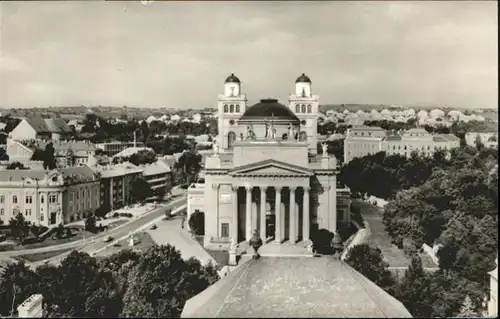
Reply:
x=2, y=211
x=41, y=217
x=14, y=199
x=53, y=198
x=2, y=199
x=29, y=199
x=224, y=230
x=42, y=199
x=28, y=212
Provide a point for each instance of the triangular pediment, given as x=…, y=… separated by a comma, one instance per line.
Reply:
x=270, y=168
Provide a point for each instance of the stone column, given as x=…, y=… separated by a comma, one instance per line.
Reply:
x=234, y=226
x=305, y=216
x=215, y=187
x=248, y=213
x=263, y=213
x=111, y=197
x=277, y=214
x=293, y=218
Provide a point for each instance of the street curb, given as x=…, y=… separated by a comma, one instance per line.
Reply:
x=71, y=245
x=143, y=227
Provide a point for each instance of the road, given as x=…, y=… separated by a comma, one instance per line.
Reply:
x=119, y=234
x=379, y=237
x=114, y=232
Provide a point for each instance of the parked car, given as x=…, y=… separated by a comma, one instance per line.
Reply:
x=108, y=239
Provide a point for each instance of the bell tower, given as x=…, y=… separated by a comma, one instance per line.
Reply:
x=305, y=105
x=231, y=106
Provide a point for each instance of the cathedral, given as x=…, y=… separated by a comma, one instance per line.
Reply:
x=265, y=174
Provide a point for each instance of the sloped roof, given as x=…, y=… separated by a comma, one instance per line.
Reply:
x=41, y=125
x=129, y=151
x=17, y=175
x=158, y=167
x=294, y=287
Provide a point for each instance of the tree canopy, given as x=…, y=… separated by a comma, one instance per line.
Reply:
x=156, y=283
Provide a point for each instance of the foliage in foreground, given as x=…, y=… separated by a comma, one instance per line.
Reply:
x=155, y=283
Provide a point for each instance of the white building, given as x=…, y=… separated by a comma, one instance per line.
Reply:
x=40, y=128
x=493, y=302
x=363, y=141
x=488, y=138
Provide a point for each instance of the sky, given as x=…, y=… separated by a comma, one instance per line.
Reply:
x=178, y=54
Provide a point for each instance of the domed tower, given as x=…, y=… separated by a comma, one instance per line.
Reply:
x=305, y=105
x=231, y=105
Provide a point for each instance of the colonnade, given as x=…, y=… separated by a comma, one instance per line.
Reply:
x=279, y=233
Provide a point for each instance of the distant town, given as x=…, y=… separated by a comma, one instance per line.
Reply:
x=113, y=183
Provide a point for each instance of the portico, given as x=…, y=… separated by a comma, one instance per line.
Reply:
x=268, y=176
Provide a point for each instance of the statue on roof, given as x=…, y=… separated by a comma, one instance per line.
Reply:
x=250, y=133
x=324, y=147
x=215, y=147
x=292, y=132
x=270, y=130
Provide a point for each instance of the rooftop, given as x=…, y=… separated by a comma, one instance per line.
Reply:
x=269, y=109
x=41, y=125
x=294, y=287
x=129, y=151
x=159, y=167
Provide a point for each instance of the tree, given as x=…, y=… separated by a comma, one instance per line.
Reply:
x=85, y=289
x=146, y=296
x=189, y=164
x=16, y=165
x=49, y=157
x=160, y=192
x=90, y=224
x=140, y=190
x=144, y=131
x=19, y=227
x=17, y=283
x=467, y=309
x=197, y=222
x=370, y=263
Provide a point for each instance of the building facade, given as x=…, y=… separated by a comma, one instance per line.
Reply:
x=66, y=153
x=489, y=139
x=265, y=176
x=364, y=140
x=232, y=104
x=48, y=198
x=40, y=128
x=115, y=185
x=493, y=302
x=158, y=175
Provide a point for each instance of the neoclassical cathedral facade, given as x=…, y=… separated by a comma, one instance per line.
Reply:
x=265, y=174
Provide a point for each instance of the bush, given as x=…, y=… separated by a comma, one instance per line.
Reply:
x=197, y=223
x=322, y=240
x=115, y=215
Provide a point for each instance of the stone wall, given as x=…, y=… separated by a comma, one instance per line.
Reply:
x=360, y=237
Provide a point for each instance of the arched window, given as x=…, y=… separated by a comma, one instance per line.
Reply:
x=226, y=109
x=303, y=136
x=231, y=137
x=297, y=108
x=284, y=137
x=309, y=108
x=237, y=108
x=231, y=108
x=303, y=108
